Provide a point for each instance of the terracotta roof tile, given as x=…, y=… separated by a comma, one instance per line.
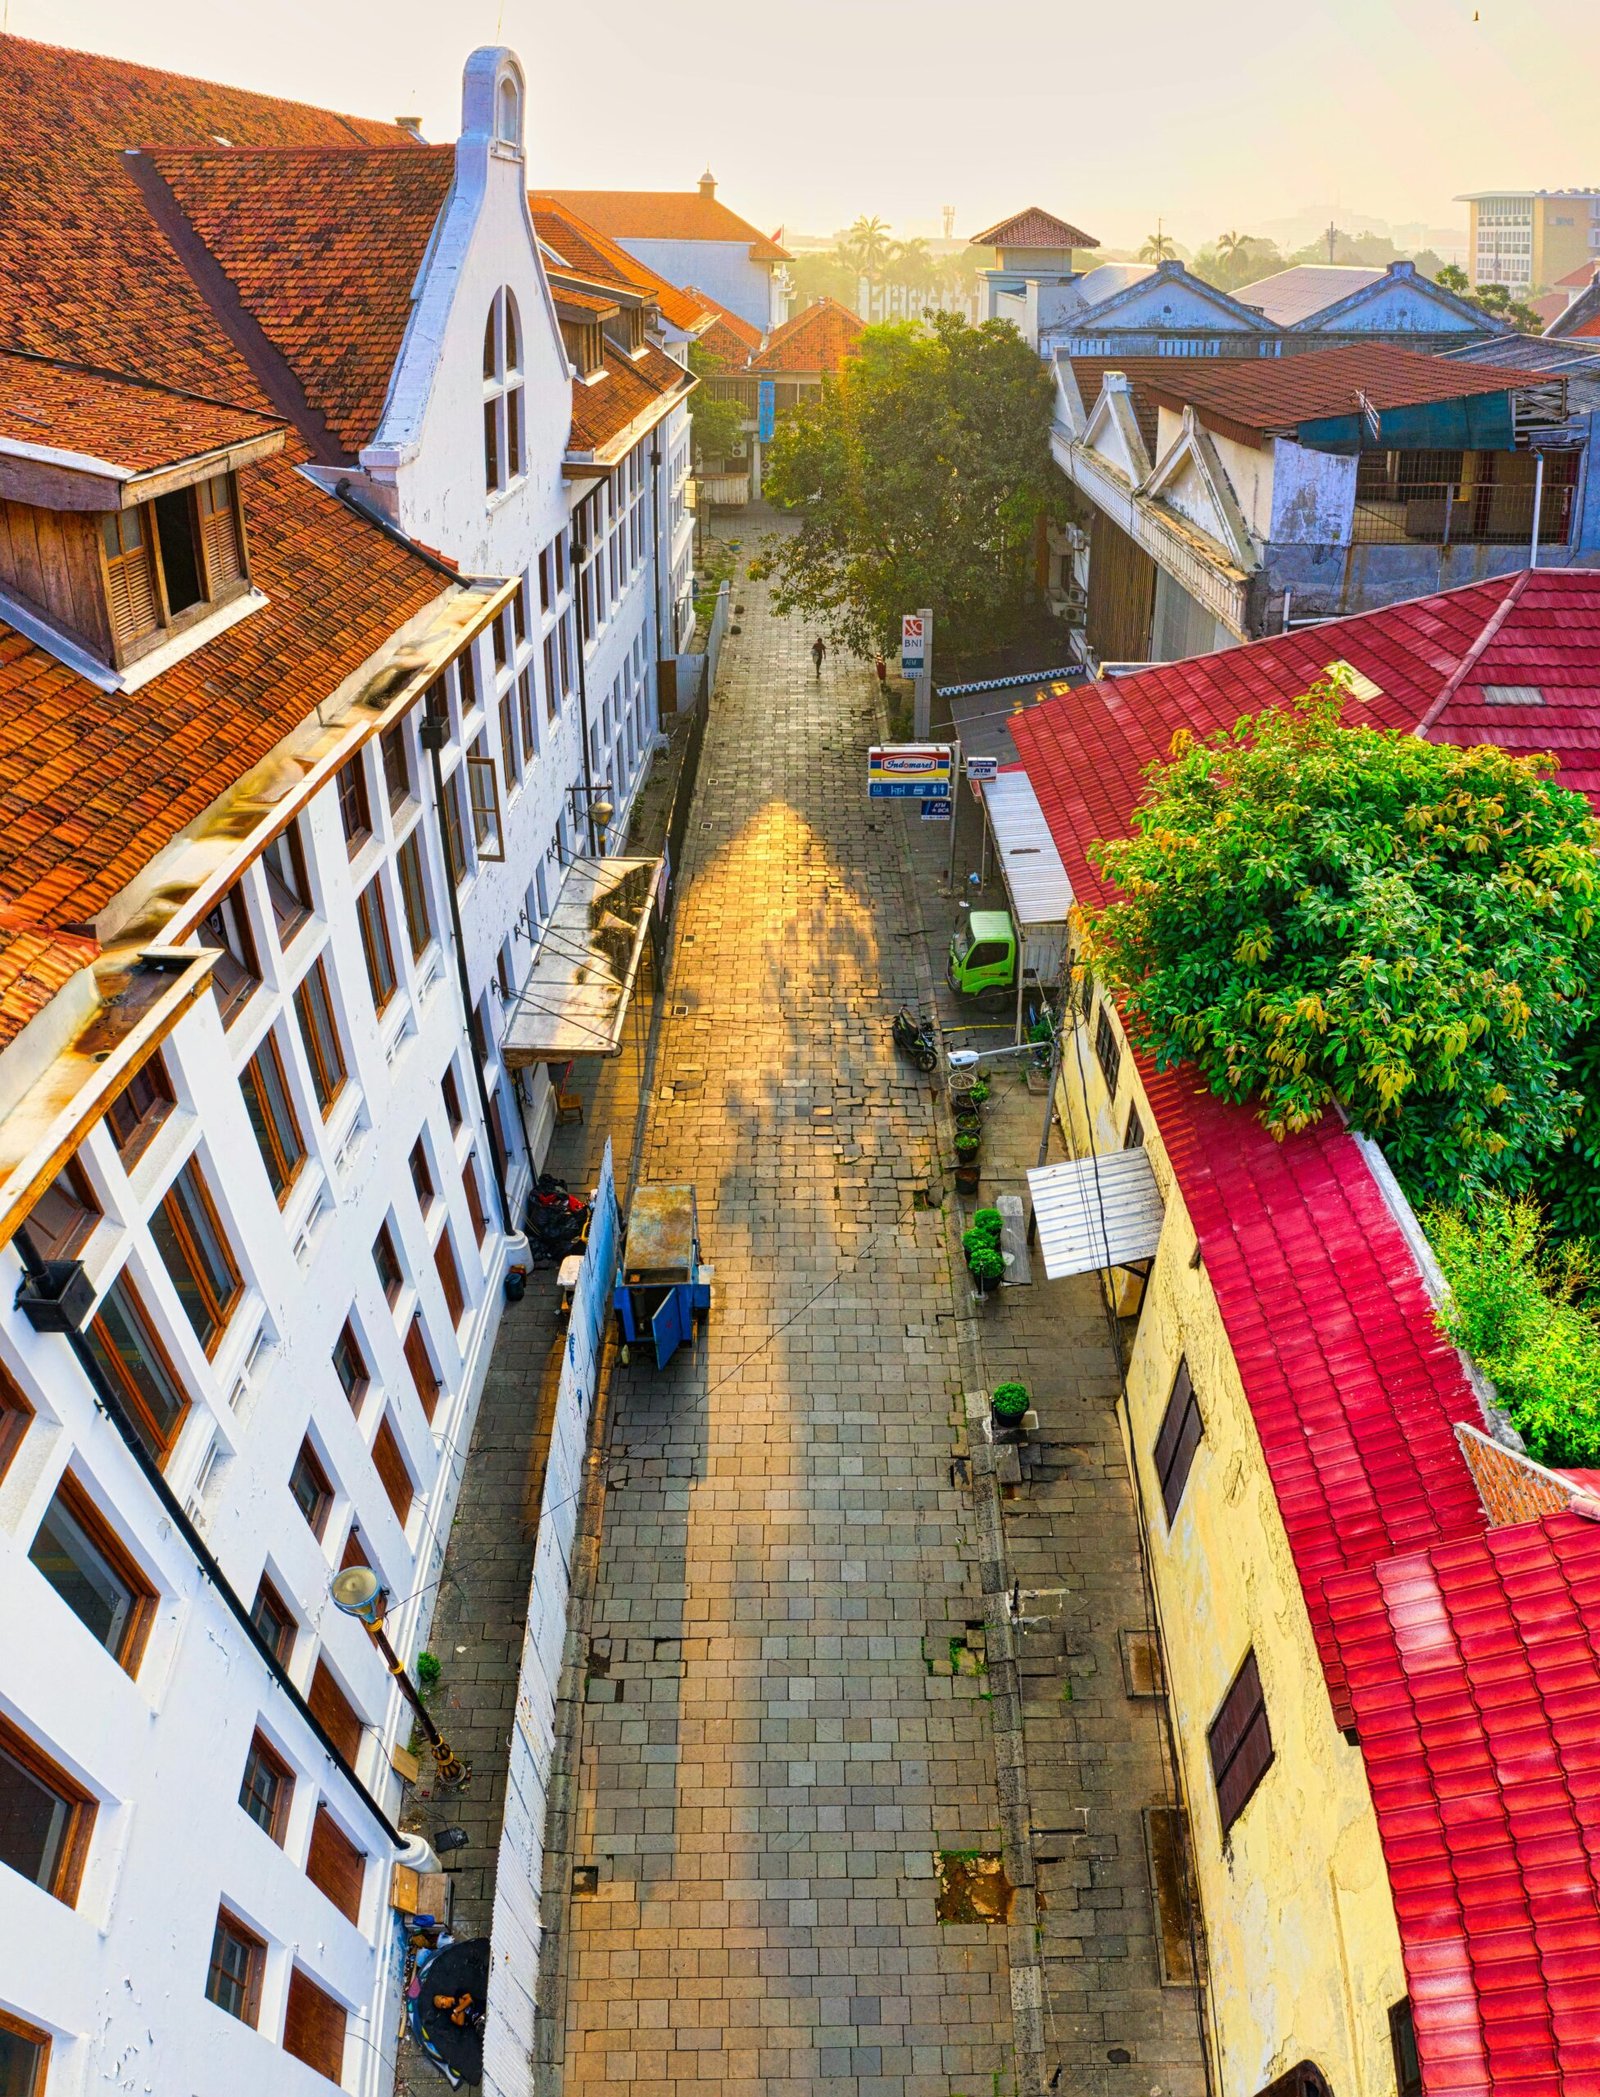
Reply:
x=1033, y=228
x=665, y=214
x=323, y=247
x=727, y=323
x=119, y=421
x=589, y=253
x=817, y=339
x=631, y=386
x=34, y=965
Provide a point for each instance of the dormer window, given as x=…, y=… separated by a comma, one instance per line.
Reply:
x=502, y=393
x=585, y=344
x=170, y=560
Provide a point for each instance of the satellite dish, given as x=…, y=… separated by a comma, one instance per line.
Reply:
x=357, y=1591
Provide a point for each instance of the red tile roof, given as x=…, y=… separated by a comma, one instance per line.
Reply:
x=666, y=214
x=817, y=339
x=1474, y=1671
x=34, y=965
x=1033, y=228
x=118, y=421
x=84, y=273
x=322, y=247
x=1251, y=397
x=735, y=324
x=632, y=386
x=588, y=252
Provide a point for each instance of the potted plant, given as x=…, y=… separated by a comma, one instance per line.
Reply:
x=1009, y=1403
x=978, y=1092
x=968, y=1141
x=987, y=1266
x=988, y=1223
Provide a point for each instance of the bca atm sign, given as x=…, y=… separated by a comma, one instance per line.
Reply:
x=909, y=772
x=913, y=645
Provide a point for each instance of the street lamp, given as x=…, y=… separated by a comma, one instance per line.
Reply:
x=358, y=1592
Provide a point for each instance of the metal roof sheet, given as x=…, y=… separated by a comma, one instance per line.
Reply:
x=1035, y=879
x=1295, y=294
x=1096, y=1212
x=576, y=995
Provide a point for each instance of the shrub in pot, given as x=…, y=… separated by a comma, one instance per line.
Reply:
x=1009, y=1402
x=988, y=1223
x=979, y=1091
x=987, y=1265
x=967, y=1141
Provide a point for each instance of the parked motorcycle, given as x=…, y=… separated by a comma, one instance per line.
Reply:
x=913, y=1037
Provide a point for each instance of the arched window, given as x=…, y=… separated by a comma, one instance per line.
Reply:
x=508, y=112
x=503, y=445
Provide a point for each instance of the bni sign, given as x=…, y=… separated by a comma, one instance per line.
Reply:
x=909, y=772
x=913, y=645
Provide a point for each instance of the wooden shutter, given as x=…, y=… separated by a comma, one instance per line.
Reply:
x=392, y=1472
x=444, y=1259
x=219, y=529
x=1180, y=1435
x=420, y=1362
x=131, y=597
x=1240, y=1743
x=334, y=1712
x=335, y=1866
x=313, y=2026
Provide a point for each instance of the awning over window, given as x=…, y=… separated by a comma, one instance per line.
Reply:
x=1096, y=1212
x=1476, y=422
x=575, y=998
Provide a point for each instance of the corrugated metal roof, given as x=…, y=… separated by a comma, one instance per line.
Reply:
x=1035, y=879
x=1295, y=294
x=1096, y=1212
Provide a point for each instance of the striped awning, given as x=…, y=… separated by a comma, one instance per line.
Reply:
x=1096, y=1212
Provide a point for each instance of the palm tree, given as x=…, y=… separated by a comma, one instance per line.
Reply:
x=910, y=262
x=1158, y=247
x=868, y=245
x=1229, y=244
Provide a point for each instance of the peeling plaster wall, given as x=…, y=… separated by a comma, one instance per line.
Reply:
x=1311, y=497
x=1301, y=1941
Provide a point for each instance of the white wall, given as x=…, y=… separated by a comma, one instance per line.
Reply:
x=753, y=290
x=1313, y=496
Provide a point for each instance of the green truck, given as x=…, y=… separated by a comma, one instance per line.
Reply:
x=983, y=956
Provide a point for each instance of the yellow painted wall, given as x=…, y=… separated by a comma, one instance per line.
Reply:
x=1301, y=1939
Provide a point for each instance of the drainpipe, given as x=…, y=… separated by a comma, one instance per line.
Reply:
x=1538, y=507
x=435, y=729
x=582, y=550
x=56, y=1279
x=655, y=472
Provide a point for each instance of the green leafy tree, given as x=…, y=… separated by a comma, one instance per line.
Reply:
x=1236, y=258
x=1454, y=278
x=1158, y=247
x=1312, y=913
x=716, y=425
x=921, y=477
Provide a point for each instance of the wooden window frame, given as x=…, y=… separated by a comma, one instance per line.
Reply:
x=413, y=875
x=474, y=1194
x=1180, y=1434
x=395, y=749
x=391, y=1268
x=261, y=1750
x=333, y=1860
x=355, y=802
x=16, y=1417
x=307, y=1459
x=356, y=1385
x=394, y=1472
x=292, y=906
x=66, y=1875
x=255, y=1951
x=226, y=931
x=419, y=1360
x=422, y=1181
x=160, y=1442
x=282, y=1169
x=71, y=1187
x=377, y=948
x=134, y=606
x=270, y=1602
x=450, y=1089
x=1107, y=1048
x=510, y=754
x=214, y=554
x=1133, y=1133
x=456, y=829
x=149, y=1092
x=327, y=1080
x=448, y=1269
x=218, y=1310
x=346, y=1721
x=302, y=1987
x=30, y=2035
x=483, y=800
x=128, y=1651
x=1240, y=1720
x=1403, y=2046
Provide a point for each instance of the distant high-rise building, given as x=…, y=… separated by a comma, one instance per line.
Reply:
x=1528, y=239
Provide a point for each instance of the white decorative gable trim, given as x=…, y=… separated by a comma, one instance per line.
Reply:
x=1112, y=436
x=1191, y=481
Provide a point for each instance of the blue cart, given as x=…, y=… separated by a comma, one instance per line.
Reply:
x=661, y=1285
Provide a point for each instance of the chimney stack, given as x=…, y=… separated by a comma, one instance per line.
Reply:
x=708, y=184
x=412, y=126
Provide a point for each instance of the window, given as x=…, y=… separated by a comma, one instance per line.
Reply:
x=1133, y=1135
x=502, y=393
x=474, y=1194
x=139, y=1110
x=335, y=1866
x=444, y=1260
x=552, y=678
x=421, y=1170
x=314, y=1009
x=420, y=1362
x=274, y=1619
x=24, y=2057
x=455, y=828
x=374, y=920
x=1179, y=1437
x=221, y=540
x=519, y=615
x=237, y=975
x=389, y=1461
x=283, y=862
x=510, y=754
x=355, y=810
x=131, y=597
x=15, y=1414
x=178, y=543
x=1403, y=2041
x=499, y=641
x=310, y=1490
x=484, y=789
x=196, y=1256
x=233, y=1978
x=334, y=1712
x=314, y=2026
x=350, y=1366
x=1107, y=1048
x=452, y=1100
x=45, y=1818
x=396, y=765
x=414, y=894
x=61, y=1223
x=267, y=1788
x=529, y=714
x=77, y=1553
x=355, y=1552
x=1240, y=1743
x=387, y=1261
x=272, y=1116
x=135, y=1364
x=467, y=680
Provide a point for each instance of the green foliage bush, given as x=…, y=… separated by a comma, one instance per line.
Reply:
x=987, y=1223
x=1010, y=1401
x=985, y=1260
x=1309, y=912
x=1521, y=1310
x=428, y=1669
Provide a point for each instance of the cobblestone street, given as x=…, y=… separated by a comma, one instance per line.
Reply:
x=784, y=1722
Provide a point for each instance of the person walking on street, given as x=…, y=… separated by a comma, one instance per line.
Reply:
x=818, y=651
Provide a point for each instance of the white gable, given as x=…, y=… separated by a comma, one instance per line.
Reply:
x=1399, y=306
x=1112, y=436
x=1192, y=483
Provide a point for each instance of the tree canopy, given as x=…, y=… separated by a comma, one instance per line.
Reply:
x=920, y=477
x=1309, y=912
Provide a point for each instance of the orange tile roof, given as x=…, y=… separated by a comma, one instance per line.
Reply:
x=93, y=784
x=817, y=339
x=84, y=273
x=1033, y=228
x=323, y=247
x=588, y=253
x=603, y=409
x=124, y=423
x=567, y=293
x=666, y=214
x=732, y=323
x=34, y=965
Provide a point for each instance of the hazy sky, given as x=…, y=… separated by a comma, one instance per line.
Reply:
x=1210, y=116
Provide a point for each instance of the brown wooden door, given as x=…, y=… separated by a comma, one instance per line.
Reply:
x=313, y=2026
x=1122, y=594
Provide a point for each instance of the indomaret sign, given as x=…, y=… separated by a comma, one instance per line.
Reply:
x=909, y=772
